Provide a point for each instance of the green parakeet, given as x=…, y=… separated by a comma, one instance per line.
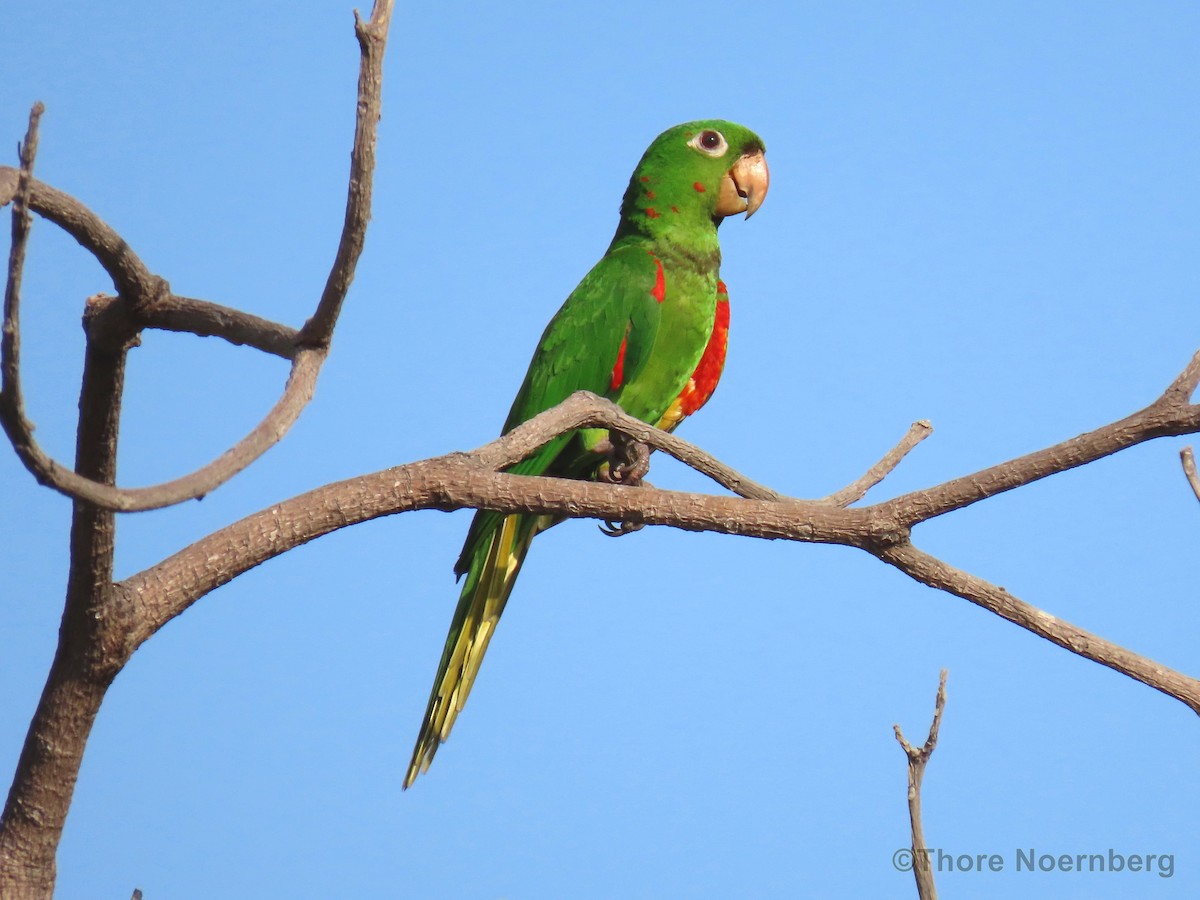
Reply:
x=647, y=327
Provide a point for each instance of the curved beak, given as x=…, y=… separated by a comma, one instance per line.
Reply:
x=744, y=187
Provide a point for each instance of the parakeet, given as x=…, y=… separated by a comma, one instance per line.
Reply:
x=647, y=328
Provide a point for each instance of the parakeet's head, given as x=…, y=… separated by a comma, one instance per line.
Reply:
x=695, y=174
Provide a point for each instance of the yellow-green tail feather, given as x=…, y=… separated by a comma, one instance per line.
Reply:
x=489, y=581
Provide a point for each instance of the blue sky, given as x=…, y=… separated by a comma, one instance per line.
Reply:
x=980, y=214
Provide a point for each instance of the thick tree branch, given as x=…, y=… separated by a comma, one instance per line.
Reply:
x=471, y=480
x=86, y=658
x=454, y=482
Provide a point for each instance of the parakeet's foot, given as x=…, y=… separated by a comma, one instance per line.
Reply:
x=628, y=463
x=628, y=460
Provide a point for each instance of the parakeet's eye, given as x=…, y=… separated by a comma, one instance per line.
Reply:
x=710, y=143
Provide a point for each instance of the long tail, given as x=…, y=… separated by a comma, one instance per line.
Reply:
x=493, y=571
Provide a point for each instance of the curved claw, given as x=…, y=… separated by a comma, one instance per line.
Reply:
x=628, y=461
x=620, y=529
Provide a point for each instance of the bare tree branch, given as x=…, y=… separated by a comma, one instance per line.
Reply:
x=86, y=660
x=147, y=302
x=372, y=41
x=95, y=633
x=458, y=481
x=586, y=410
x=1188, y=457
x=132, y=279
x=1170, y=414
x=856, y=490
x=1184, y=386
x=469, y=480
x=918, y=758
x=12, y=404
x=296, y=394
x=937, y=574
x=130, y=276
x=205, y=319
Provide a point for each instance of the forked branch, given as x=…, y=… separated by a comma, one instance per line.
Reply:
x=918, y=758
x=95, y=632
x=144, y=300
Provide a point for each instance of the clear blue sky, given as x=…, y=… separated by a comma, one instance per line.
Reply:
x=986, y=215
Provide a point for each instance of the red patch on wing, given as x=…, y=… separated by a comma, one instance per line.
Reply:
x=708, y=371
x=645, y=179
x=699, y=187
x=649, y=195
x=675, y=209
x=618, y=372
x=652, y=212
x=660, y=285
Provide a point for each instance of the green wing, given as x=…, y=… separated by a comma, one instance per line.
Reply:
x=579, y=347
x=614, y=303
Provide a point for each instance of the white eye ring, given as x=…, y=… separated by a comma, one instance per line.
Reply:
x=710, y=143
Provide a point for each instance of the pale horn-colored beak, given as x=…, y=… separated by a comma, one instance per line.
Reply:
x=744, y=187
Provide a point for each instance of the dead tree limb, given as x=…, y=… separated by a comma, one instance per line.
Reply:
x=93, y=638
x=1188, y=457
x=918, y=758
x=145, y=300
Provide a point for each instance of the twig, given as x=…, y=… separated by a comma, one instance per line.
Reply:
x=918, y=758
x=856, y=490
x=1189, y=469
x=372, y=41
x=12, y=403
